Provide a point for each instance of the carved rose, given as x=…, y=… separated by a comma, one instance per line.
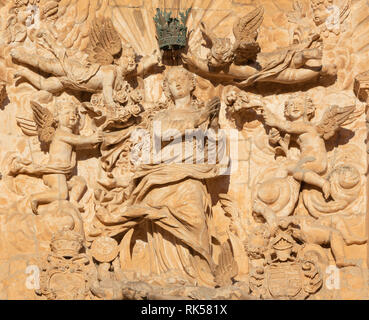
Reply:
x=96, y=99
x=135, y=110
x=136, y=96
x=123, y=114
x=121, y=96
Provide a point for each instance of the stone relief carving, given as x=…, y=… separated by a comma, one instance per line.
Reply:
x=244, y=64
x=154, y=156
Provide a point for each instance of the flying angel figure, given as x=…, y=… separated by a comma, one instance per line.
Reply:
x=244, y=49
x=310, y=137
x=108, y=62
x=243, y=63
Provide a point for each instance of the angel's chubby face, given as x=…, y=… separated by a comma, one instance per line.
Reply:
x=320, y=12
x=221, y=53
x=128, y=60
x=295, y=109
x=68, y=116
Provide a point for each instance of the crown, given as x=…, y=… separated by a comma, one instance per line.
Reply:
x=66, y=243
x=171, y=32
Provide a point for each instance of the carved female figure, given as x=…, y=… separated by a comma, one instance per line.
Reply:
x=170, y=205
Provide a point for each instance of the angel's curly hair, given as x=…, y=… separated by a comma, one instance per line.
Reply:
x=128, y=50
x=223, y=53
x=309, y=107
x=315, y=3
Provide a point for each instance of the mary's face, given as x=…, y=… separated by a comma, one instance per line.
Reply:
x=180, y=84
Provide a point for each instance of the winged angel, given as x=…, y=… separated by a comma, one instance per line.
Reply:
x=59, y=132
x=108, y=61
x=313, y=162
x=243, y=62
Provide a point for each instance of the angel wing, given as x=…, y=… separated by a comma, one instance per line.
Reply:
x=45, y=122
x=335, y=117
x=345, y=11
x=227, y=268
x=246, y=28
x=245, y=31
x=231, y=211
x=49, y=11
x=105, y=41
x=297, y=14
x=28, y=126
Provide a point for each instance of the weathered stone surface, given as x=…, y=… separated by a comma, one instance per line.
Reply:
x=106, y=193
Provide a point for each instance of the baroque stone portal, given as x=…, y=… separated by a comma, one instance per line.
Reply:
x=184, y=149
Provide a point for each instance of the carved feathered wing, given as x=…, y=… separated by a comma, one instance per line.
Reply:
x=28, y=126
x=208, y=34
x=227, y=267
x=245, y=31
x=345, y=11
x=335, y=117
x=45, y=122
x=246, y=28
x=297, y=14
x=228, y=206
x=230, y=209
x=105, y=41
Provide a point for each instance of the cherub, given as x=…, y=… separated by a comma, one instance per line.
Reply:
x=324, y=14
x=16, y=24
x=242, y=62
x=310, y=137
x=331, y=231
x=109, y=61
x=60, y=133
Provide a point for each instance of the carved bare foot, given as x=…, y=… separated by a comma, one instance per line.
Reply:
x=21, y=73
x=355, y=240
x=326, y=189
x=17, y=53
x=15, y=166
x=315, y=53
x=329, y=70
x=34, y=205
x=341, y=263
